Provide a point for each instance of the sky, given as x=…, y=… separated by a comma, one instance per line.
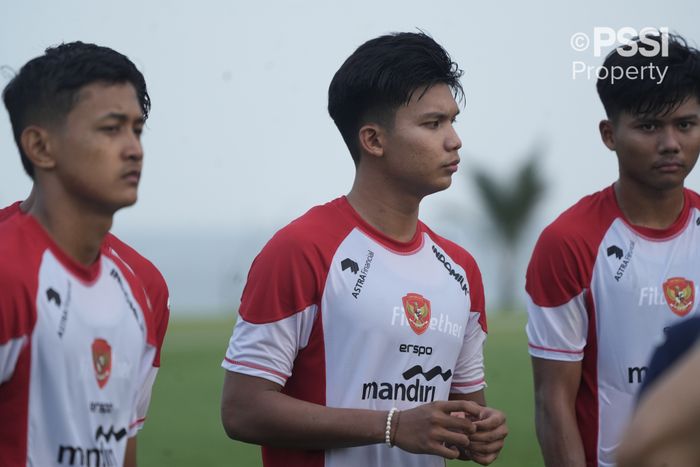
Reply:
x=239, y=141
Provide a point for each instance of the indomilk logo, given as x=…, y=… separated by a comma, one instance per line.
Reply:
x=457, y=276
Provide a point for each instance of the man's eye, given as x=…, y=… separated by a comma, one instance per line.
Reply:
x=433, y=124
x=686, y=125
x=647, y=127
x=110, y=128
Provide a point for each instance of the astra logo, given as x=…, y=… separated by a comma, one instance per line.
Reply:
x=458, y=277
x=625, y=262
x=348, y=263
x=64, y=314
x=439, y=323
x=357, y=290
x=615, y=250
x=53, y=296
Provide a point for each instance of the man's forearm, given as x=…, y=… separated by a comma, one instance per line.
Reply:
x=559, y=437
x=256, y=411
x=292, y=423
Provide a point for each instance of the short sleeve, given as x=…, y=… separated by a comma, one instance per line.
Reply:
x=17, y=319
x=556, y=282
x=469, y=370
x=147, y=376
x=278, y=308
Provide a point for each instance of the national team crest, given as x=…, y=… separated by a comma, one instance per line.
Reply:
x=417, y=309
x=101, y=361
x=680, y=295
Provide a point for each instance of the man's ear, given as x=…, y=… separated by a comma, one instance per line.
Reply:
x=37, y=147
x=372, y=139
x=607, y=133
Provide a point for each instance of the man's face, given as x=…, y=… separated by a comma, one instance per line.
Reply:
x=421, y=149
x=98, y=148
x=656, y=152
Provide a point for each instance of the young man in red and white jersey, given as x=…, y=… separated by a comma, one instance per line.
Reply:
x=617, y=268
x=360, y=330
x=154, y=285
x=83, y=315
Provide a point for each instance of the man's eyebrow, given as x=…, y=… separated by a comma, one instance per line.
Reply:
x=121, y=117
x=690, y=116
x=439, y=115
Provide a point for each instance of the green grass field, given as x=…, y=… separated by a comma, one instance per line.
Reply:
x=184, y=430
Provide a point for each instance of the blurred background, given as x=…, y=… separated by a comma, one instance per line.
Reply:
x=239, y=143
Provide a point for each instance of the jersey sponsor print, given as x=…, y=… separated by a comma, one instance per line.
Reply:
x=341, y=315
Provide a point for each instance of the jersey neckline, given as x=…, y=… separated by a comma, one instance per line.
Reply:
x=396, y=246
x=655, y=234
x=86, y=274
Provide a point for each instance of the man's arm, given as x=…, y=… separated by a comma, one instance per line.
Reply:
x=491, y=431
x=130, y=455
x=556, y=386
x=664, y=430
x=255, y=411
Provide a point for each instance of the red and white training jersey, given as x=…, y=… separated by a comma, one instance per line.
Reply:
x=343, y=316
x=77, y=347
x=602, y=291
x=154, y=284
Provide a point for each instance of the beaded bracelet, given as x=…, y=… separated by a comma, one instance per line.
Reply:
x=387, y=433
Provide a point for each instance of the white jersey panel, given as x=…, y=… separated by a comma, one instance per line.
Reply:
x=9, y=353
x=558, y=333
x=468, y=375
x=638, y=292
x=88, y=348
x=268, y=350
x=407, y=316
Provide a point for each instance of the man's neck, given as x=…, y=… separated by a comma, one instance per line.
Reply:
x=656, y=209
x=392, y=213
x=77, y=229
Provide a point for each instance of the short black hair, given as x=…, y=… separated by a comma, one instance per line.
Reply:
x=46, y=88
x=649, y=95
x=382, y=74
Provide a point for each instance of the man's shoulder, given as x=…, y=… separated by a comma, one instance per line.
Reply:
x=20, y=255
x=564, y=256
x=16, y=241
x=139, y=264
x=322, y=226
x=586, y=221
x=9, y=211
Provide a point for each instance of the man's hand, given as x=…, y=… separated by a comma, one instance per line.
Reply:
x=429, y=428
x=487, y=442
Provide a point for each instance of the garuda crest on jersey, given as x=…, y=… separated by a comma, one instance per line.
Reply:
x=417, y=309
x=102, y=361
x=680, y=295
